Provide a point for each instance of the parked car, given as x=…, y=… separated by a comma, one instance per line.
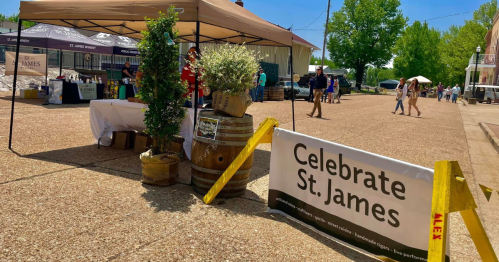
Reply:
x=345, y=86
x=489, y=94
x=300, y=92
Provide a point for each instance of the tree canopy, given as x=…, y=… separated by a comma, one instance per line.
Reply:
x=327, y=62
x=15, y=18
x=363, y=32
x=417, y=52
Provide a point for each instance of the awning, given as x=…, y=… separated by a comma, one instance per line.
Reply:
x=55, y=37
x=220, y=20
x=121, y=45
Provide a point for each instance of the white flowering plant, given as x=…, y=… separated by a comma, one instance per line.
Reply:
x=227, y=68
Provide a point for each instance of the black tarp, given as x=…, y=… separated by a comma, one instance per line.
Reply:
x=56, y=37
x=122, y=45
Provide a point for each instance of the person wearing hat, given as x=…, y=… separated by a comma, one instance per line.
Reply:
x=261, y=86
x=320, y=85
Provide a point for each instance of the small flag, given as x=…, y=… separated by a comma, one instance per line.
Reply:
x=169, y=41
x=486, y=191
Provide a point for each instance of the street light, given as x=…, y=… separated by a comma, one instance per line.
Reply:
x=478, y=49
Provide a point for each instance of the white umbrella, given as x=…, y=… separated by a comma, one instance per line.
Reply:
x=421, y=80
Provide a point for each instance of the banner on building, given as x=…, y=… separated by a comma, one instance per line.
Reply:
x=367, y=201
x=29, y=64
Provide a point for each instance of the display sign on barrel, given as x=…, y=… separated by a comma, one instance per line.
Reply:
x=88, y=91
x=370, y=202
x=29, y=64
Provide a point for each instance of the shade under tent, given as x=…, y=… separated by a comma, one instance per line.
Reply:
x=200, y=21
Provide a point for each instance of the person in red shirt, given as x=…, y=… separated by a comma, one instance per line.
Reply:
x=188, y=76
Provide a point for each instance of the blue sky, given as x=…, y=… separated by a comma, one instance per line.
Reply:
x=300, y=13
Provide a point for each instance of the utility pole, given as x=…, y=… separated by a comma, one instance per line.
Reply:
x=325, y=35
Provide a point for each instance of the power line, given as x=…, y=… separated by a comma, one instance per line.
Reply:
x=313, y=21
x=440, y=17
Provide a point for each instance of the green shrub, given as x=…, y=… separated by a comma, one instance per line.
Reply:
x=228, y=68
x=161, y=89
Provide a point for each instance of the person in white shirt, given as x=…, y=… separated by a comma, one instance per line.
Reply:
x=401, y=94
x=448, y=93
x=455, y=93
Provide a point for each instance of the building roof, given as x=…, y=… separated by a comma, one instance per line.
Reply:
x=300, y=40
x=391, y=81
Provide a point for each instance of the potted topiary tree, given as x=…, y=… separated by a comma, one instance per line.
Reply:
x=162, y=92
x=228, y=71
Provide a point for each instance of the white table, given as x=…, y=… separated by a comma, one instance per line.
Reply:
x=111, y=115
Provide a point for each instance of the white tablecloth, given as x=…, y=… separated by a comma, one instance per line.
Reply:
x=107, y=116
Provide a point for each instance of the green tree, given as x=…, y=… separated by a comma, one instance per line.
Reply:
x=485, y=14
x=377, y=75
x=458, y=45
x=161, y=87
x=327, y=62
x=417, y=52
x=363, y=32
x=15, y=18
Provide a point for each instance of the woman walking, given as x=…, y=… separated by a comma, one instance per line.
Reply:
x=329, y=82
x=401, y=94
x=330, y=89
x=413, y=99
x=336, y=87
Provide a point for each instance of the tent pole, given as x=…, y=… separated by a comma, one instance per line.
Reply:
x=46, y=65
x=60, y=61
x=15, y=81
x=292, y=86
x=196, y=89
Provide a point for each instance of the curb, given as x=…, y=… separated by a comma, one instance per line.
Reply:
x=490, y=135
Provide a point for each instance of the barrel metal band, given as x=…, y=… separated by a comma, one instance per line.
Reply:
x=233, y=135
x=219, y=142
x=218, y=172
x=238, y=120
x=235, y=127
x=225, y=188
x=213, y=181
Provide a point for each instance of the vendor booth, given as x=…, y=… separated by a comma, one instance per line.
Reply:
x=200, y=21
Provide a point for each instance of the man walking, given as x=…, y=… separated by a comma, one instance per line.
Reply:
x=311, y=87
x=455, y=93
x=261, y=85
x=440, y=90
x=320, y=85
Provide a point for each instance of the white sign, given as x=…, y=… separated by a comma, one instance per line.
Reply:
x=88, y=91
x=371, y=202
x=29, y=64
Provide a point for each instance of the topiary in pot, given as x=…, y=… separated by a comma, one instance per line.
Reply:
x=162, y=91
x=228, y=71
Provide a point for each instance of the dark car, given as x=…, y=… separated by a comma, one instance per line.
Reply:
x=300, y=92
x=345, y=86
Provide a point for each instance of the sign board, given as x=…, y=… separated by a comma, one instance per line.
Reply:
x=29, y=64
x=367, y=201
x=88, y=91
x=87, y=56
x=207, y=128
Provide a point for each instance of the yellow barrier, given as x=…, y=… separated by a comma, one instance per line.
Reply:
x=262, y=135
x=451, y=194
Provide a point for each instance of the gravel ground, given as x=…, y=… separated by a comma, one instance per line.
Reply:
x=62, y=199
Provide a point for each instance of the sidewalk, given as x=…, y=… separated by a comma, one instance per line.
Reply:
x=484, y=162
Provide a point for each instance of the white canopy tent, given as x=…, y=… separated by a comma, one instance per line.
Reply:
x=421, y=80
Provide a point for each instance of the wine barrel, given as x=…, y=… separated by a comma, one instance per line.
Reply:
x=276, y=93
x=211, y=157
x=266, y=94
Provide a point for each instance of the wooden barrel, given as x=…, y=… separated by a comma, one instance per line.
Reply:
x=210, y=158
x=276, y=93
x=266, y=94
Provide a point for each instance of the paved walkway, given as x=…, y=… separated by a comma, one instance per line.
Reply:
x=63, y=199
x=484, y=163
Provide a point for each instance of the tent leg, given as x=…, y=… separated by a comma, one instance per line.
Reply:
x=15, y=81
x=46, y=65
x=292, y=87
x=60, y=62
x=196, y=89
